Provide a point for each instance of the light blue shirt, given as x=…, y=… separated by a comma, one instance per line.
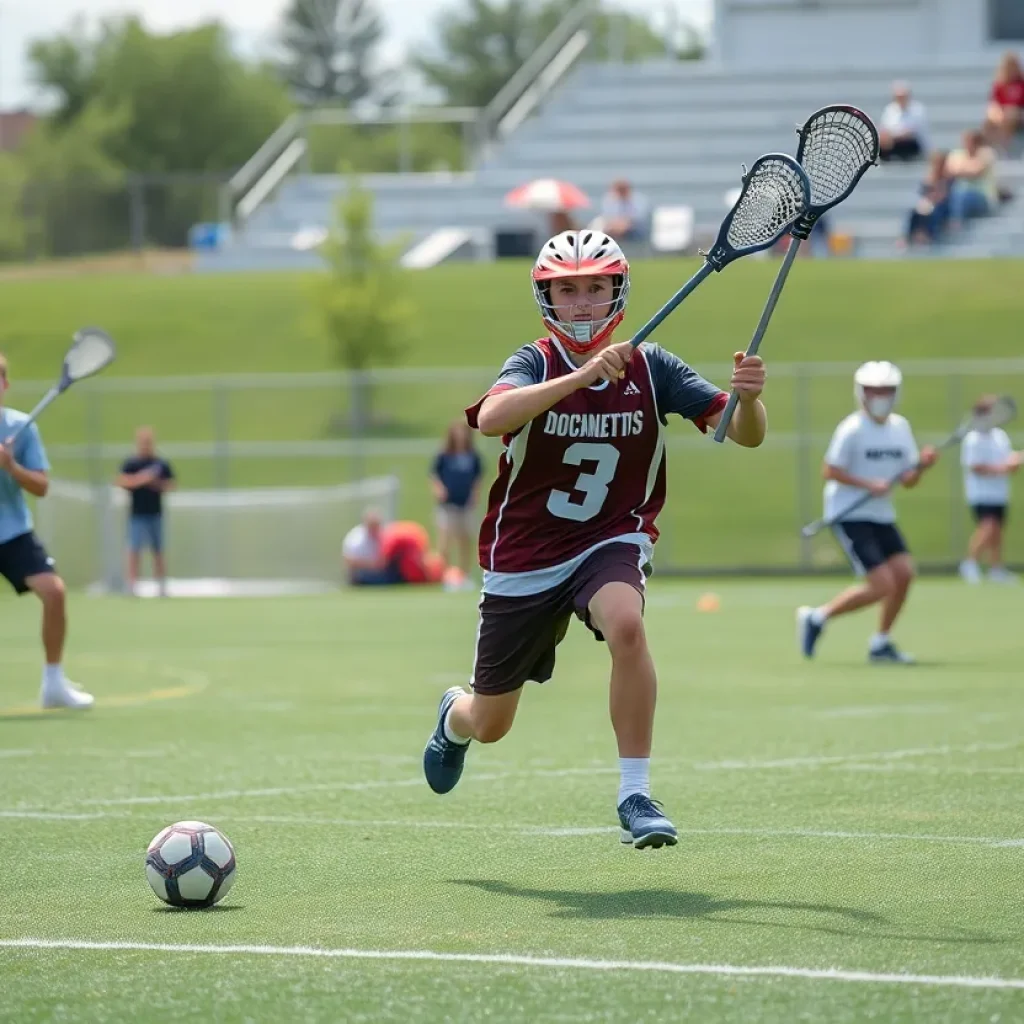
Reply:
x=15, y=517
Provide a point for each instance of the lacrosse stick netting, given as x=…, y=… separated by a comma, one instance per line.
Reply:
x=838, y=144
x=774, y=196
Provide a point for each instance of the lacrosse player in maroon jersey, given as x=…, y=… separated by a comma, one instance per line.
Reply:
x=570, y=524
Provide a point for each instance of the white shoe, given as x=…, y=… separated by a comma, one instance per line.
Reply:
x=1002, y=575
x=67, y=695
x=969, y=571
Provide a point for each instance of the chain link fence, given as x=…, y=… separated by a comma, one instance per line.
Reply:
x=728, y=509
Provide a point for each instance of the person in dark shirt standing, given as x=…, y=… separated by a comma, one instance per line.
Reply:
x=146, y=477
x=455, y=477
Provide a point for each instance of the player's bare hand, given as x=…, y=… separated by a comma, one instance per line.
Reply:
x=1013, y=463
x=609, y=364
x=878, y=488
x=748, y=376
x=929, y=456
x=6, y=458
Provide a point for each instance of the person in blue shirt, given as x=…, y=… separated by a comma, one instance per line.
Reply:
x=24, y=562
x=455, y=478
x=147, y=478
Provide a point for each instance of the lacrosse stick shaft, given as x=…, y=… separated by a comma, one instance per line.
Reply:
x=32, y=416
x=662, y=314
x=755, y=343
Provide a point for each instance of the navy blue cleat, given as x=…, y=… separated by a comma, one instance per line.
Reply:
x=808, y=631
x=644, y=825
x=889, y=654
x=442, y=759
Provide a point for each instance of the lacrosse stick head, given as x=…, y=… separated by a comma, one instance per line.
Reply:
x=92, y=350
x=990, y=412
x=838, y=144
x=776, y=192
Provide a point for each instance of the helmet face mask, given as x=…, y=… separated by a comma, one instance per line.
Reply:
x=581, y=317
x=876, y=386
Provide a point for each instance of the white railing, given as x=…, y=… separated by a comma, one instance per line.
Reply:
x=545, y=67
x=251, y=186
x=288, y=146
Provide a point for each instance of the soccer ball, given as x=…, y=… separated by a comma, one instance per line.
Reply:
x=190, y=864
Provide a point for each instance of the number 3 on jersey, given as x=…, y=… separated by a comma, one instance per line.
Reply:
x=594, y=486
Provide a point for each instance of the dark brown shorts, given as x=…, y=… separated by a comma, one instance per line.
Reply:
x=518, y=635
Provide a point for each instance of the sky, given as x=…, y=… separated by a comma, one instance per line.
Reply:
x=252, y=21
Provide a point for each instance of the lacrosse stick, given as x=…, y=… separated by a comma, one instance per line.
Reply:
x=1002, y=411
x=91, y=350
x=776, y=191
x=838, y=144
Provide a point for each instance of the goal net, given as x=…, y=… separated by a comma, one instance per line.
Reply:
x=219, y=543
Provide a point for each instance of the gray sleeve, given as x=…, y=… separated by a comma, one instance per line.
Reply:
x=522, y=368
x=679, y=388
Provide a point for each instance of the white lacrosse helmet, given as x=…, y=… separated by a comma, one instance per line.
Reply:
x=581, y=254
x=881, y=374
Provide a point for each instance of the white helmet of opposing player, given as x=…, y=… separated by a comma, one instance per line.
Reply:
x=876, y=386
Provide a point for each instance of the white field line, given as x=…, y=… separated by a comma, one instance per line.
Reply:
x=51, y=816
x=568, y=831
x=375, y=784
x=543, y=831
x=513, y=960
x=881, y=710
x=924, y=769
x=839, y=759
x=17, y=753
x=328, y=787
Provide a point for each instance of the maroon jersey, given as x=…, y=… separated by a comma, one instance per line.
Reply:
x=589, y=471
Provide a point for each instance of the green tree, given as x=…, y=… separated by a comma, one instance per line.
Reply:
x=482, y=43
x=13, y=228
x=192, y=105
x=330, y=52
x=185, y=104
x=360, y=301
x=74, y=200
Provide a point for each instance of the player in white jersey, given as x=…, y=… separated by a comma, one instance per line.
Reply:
x=868, y=450
x=988, y=460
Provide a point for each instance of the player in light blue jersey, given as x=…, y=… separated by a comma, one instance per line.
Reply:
x=24, y=562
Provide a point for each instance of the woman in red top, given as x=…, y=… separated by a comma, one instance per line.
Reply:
x=1006, y=101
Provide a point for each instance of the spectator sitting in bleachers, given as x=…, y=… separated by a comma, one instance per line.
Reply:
x=903, y=133
x=974, y=191
x=625, y=214
x=1005, y=117
x=927, y=220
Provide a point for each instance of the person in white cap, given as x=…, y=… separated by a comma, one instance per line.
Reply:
x=869, y=449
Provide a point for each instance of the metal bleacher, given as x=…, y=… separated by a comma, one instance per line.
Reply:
x=679, y=131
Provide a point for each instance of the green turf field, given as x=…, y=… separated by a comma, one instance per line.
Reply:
x=475, y=314
x=834, y=817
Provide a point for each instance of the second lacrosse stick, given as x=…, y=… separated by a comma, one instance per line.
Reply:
x=838, y=144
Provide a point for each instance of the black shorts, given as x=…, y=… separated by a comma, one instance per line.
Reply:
x=996, y=512
x=868, y=545
x=22, y=557
x=517, y=636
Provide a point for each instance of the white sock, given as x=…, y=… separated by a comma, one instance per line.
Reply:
x=879, y=640
x=450, y=734
x=634, y=777
x=819, y=616
x=53, y=677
